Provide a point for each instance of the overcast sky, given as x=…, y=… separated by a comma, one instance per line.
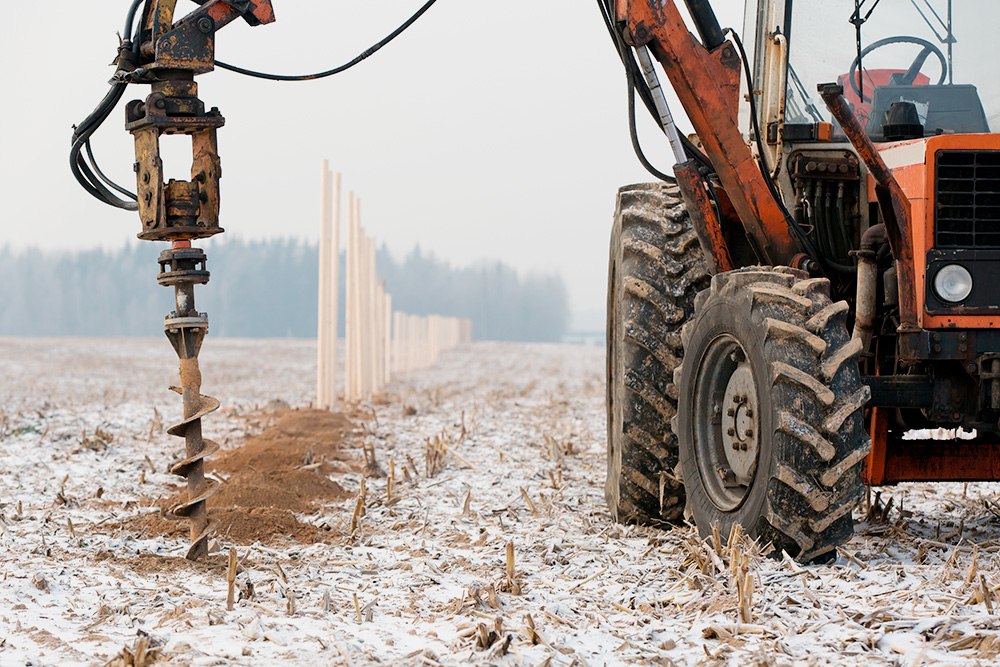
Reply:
x=488, y=130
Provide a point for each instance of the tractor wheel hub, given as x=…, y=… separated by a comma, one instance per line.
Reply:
x=740, y=432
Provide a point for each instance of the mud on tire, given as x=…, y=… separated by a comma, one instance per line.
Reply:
x=656, y=268
x=811, y=441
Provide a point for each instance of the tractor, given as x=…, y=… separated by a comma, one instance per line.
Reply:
x=814, y=288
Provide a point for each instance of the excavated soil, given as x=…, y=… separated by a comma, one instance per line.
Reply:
x=296, y=438
x=281, y=472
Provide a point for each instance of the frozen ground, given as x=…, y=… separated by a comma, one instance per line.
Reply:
x=426, y=572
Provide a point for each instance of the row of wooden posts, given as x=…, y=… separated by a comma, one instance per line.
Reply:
x=378, y=341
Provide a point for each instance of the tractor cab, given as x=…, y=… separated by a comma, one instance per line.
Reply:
x=909, y=68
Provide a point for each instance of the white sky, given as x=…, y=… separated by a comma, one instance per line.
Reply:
x=487, y=130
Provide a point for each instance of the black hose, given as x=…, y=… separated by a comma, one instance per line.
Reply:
x=130, y=18
x=100, y=174
x=89, y=174
x=628, y=61
x=831, y=233
x=94, y=183
x=635, y=135
x=336, y=70
x=842, y=219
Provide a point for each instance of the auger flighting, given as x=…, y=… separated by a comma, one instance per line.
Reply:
x=183, y=267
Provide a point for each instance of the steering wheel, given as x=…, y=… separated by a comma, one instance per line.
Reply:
x=914, y=68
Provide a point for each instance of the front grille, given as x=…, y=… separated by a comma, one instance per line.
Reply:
x=967, y=192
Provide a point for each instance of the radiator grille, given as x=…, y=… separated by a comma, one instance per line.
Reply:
x=967, y=192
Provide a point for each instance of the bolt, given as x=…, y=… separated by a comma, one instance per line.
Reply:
x=962, y=336
x=749, y=433
x=731, y=412
x=161, y=104
x=731, y=431
x=205, y=24
x=743, y=447
x=749, y=412
x=971, y=368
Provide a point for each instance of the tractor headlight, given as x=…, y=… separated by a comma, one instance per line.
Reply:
x=953, y=283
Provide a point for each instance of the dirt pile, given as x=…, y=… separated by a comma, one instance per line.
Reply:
x=296, y=439
x=273, y=475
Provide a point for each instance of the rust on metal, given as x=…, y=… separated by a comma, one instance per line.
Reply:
x=707, y=84
x=867, y=285
x=705, y=219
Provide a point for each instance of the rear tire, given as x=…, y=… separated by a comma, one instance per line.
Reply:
x=770, y=418
x=656, y=268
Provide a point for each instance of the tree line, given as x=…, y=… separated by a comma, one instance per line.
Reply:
x=261, y=289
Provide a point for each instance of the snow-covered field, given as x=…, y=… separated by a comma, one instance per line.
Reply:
x=424, y=579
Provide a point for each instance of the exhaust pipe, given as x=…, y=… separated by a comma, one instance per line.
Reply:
x=864, y=313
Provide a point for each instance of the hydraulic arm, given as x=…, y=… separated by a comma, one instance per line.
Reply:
x=706, y=78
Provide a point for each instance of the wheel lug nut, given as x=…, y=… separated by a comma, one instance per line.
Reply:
x=749, y=412
x=731, y=431
x=749, y=433
x=731, y=412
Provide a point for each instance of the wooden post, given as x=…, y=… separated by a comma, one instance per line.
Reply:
x=350, y=310
x=359, y=304
x=408, y=340
x=334, y=291
x=387, y=333
x=366, y=325
x=378, y=337
x=397, y=343
x=372, y=320
x=323, y=397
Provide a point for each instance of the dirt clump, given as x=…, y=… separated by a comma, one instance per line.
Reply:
x=263, y=524
x=271, y=477
x=296, y=438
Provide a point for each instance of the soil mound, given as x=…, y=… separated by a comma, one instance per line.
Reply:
x=297, y=438
x=282, y=471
